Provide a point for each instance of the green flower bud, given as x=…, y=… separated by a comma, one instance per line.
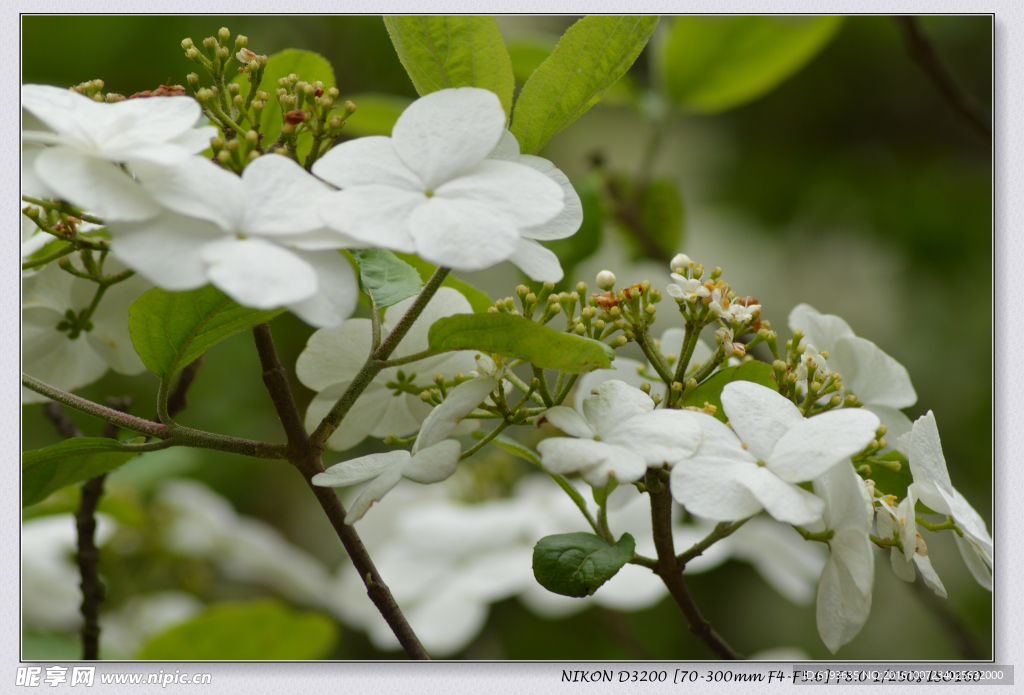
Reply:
x=186, y=44
x=252, y=137
x=241, y=41
x=224, y=157
x=224, y=34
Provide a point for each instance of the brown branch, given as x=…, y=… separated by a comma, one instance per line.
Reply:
x=924, y=54
x=671, y=572
x=177, y=402
x=306, y=458
x=65, y=426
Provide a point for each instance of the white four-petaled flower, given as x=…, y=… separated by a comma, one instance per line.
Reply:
x=769, y=449
x=433, y=458
x=619, y=435
x=257, y=237
x=433, y=188
x=900, y=523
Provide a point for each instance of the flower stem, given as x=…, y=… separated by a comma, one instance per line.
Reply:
x=643, y=339
x=305, y=456
x=65, y=251
x=671, y=572
x=483, y=442
x=545, y=394
x=722, y=530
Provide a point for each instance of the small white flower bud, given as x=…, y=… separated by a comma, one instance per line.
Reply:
x=605, y=280
x=680, y=263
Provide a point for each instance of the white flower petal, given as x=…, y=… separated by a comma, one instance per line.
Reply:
x=820, y=330
x=784, y=560
x=334, y=355
x=711, y=488
x=568, y=221
x=594, y=460
x=901, y=566
x=614, y=402
x=847, y=505
x=448, y=132
x=872, y=375
x=520, y=193
x=461, y=234
x=759, y=415
x=461, y=401
x=166, y=250
x=928, y=465
x=853, y=549
x=360, y=469
x=376, y=215
x=399, y=417
x=373, y=492
x=972, y=556
x=842, y=610
x=569, y=421
x=539, y=264
x=95, y=185
x=446, y=302
x=622, y=369
x=366, y=161
x=281, y=198
x=51, y=357
x=196, y=188
x=661, y=436
x=816, y=444
x=59, y=109
x=719, y=441
x=338, y=290
x=931, y=578
x=784, y=501
x=435, y=463
x=507, y=148
x=448, y=621
x=258, y=273
x=110, y=337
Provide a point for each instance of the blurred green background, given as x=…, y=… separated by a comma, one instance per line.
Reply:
x=852, y=186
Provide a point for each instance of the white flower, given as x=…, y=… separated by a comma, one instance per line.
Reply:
x=732, y=349
x=689, y=289
x=430, y=188
x=256, y=237
x=811, y=356
x=900, y=523
x=933, y=487
x=91, y=138
x=334, y=356
x=879, y=382
x=632, y=372
x=680, y=263
x=619, y=435
x=769, y=449
x=433, y=458
x=844, y=594
x=54, y=352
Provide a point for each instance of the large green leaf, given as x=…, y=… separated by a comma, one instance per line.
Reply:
x=266, y=629
x=375, y=114
x=585, y=242
x=711, y=64
x=477, y=299
x=309, y=67
x=514, y=336
x=453, y=51
x=171, y=329
x=589, y=58
x=385, y=277
x=710, y=391
x=576, y=564
x=44, y=471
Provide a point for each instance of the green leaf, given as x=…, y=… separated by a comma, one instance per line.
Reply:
x=660, y=214
x=45, y=471
x=601, y=493
x=516, y=449
x=309, y=66
x=266, y=629
x=386, y=278
x=589, y=58
x=712, y=64
x=453, y=51
x=171, y=329
x=891, y=482
x=584, y=243
x=477, y=299
x=710, y=391
x=576, y=564
x=375, y=114
x=514, y=336
x=529, y=53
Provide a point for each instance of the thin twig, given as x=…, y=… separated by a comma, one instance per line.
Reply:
x=672, y=574
x=305, y=456
x=924, y=54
